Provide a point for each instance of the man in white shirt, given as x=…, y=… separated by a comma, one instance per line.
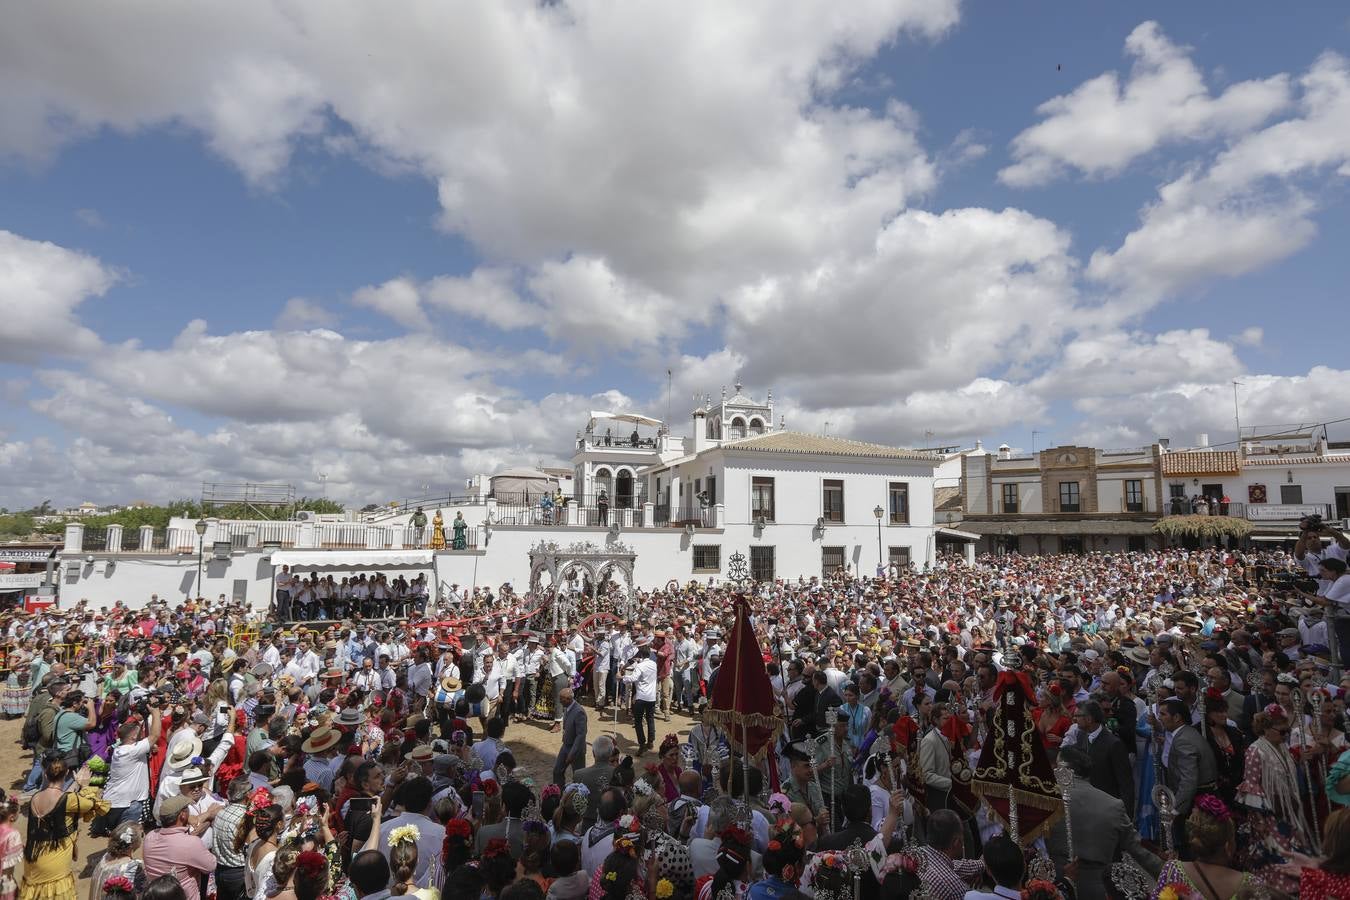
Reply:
x=686, y=676
x=641, y=674
x=559, y=668
x=128, y=786
x=272, y=655
x=600, y=672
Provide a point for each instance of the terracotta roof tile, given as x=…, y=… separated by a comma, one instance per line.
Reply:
x=1200, y=462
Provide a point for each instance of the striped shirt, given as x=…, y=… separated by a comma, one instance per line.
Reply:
x=320, y=771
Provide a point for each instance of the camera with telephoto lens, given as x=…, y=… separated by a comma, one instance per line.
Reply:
x=1310, y=522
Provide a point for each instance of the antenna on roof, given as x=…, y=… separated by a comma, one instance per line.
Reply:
x=827, y=427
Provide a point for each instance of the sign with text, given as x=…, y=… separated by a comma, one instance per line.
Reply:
x=23, y=581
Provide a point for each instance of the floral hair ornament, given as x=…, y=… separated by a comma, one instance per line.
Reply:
x=459, y=828
x=314, y=865
x=579, y=797
x=550, y=790
x=1213, y=806
x=629, y=824
x=779, y=805
x=404, y=834
x=626, y=845
x=1275, y=711
x=1040, y=889
x=644, y=787
x=118, y=884
x=664, y=889
x=261, y=799
x=496, y=847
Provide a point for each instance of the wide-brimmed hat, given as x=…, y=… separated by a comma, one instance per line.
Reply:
x=350, y=717
x=450, y=683
x=420, y=754
x=321, y=739
x=192, y=775
x=182, y=752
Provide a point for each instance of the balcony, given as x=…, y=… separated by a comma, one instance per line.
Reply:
x=1184, y=506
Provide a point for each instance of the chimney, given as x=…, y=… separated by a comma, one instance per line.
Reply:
x=1164, y=442
x=1004, y=451
x=1204, y=439
x=979, y=445
x=700, y=436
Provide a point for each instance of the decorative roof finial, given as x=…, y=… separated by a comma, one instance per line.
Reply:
x=770, y=399
x=724, y=393
x=738, y=385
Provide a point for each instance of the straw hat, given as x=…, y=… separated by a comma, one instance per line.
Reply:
x=182, y=752
x=321, y=739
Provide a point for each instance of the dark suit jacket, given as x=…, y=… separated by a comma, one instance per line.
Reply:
x=1127, y=720
x=824, y=700
x=515, y=837
x=859, y=833
x=804, y=709
x=573, y=750
x=1111, y=770
x=596, y=778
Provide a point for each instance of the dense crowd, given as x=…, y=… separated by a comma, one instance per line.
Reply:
x=220, y=755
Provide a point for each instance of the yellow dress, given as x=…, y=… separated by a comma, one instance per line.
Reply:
x=438, y=532
x=49, y=877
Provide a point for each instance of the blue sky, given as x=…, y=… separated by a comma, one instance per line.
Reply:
x=429, y=245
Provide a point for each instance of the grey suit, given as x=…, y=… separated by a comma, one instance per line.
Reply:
x=515, y=837
x=596, y=778
x=573, y=750
x=1102, y=831
x=1189, y=766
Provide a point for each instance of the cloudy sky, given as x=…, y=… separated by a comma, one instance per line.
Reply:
x=268, y=240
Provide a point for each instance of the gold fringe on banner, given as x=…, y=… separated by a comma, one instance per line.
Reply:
x=730, y=719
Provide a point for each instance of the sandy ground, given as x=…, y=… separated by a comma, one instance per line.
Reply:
x=534, y=745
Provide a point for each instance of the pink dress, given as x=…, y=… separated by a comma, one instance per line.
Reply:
x=11, y=854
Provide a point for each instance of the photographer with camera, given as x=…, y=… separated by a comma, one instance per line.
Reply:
x=1310, y=551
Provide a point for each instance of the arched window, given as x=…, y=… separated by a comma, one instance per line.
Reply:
x=756, y=426
x=737, y=429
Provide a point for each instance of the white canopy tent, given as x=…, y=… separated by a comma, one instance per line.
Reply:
x=602, y=418
x=351, y=559
x=522, y=485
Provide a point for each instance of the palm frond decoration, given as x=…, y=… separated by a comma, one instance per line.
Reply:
x=1205, y=527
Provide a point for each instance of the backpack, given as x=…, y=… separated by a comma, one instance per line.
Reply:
x=32, y=730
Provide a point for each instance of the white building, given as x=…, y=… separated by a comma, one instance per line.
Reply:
x=790, y=505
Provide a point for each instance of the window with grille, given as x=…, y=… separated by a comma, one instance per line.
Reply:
x=1010, y=498
x=707, y=558
x=1134, y=496
x=761, y=563
x=899, y=492
x=1068, y=496
x=761, y=498
x=898, y=556
x=832, y=503
x=831, y=560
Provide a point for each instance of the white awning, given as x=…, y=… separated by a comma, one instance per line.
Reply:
x=633, y=418
x=348, y=559
x=1276, y=538
x=958, y=535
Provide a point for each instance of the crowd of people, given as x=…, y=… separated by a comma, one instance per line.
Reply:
x=219, y=755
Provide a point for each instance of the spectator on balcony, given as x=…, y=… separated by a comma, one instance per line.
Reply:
x=609, y=437
x=634, y=440
x=419, y=524
x=459, y=528
x=1223, y=505
x=602, y=507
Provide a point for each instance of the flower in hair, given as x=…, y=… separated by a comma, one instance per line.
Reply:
x=1214, y=806
x=629, y=823
x=496, y=847
x=312, y=864
x=118, y=884
x=261, y=799
x=611, y=876
x=626, y=845
x=404, y=833
x=664, y=889
x=1275, y=711
x=550, y=790
x=490, y=787
x=458, y=828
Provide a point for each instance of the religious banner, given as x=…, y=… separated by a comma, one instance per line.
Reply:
x=742, y=699
x=1256, y=493
x=1013, y=767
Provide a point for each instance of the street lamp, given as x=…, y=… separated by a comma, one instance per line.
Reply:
x=879, y=512
x=201, y=536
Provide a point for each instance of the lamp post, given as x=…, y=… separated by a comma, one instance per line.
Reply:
x=201, y=536
x=879, y=512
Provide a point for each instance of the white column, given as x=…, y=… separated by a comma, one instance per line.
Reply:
x=114, y=538
x=720, y=515
x=147, y=537
x=648, y=514
x=74, y=537
x=374, y=537
x=306, y=537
